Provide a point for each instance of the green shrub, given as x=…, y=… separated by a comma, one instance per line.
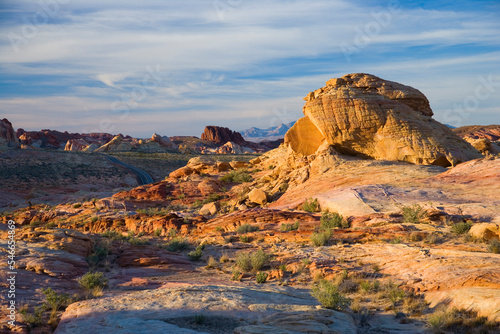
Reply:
x=494, y=246
x=259, y=259
x=328, y=295
x=245, y=238
x=98, y=256
x=245, y=228
x=289, y=227
x=93, y=282
x=261, y=278
x=331, y=220
x=55, y=300
x=311, y=205
x=177, y=245
x=460, y=321
x=321, y=238
x=196, y=254
x=243, y=261
x=158, y=231
x=94, y=219
x=461, y=228
x=77, y=205
x=237, y=176
x=414, y=214
x=34, y=319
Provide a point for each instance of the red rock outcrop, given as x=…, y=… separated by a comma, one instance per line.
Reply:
x=7, y=135
x=490, y=132
x=361, y=114
x=221, y=135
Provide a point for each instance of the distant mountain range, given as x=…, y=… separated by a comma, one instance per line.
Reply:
x=273, y=133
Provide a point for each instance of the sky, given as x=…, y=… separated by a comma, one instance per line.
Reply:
x=173, y=67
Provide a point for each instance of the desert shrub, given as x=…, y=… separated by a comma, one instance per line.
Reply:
x=311, y=205
x=237, y=176
x=289, y=227
x=35, y=318
x=245, y=238
x=393, y=293
x=212, y=262
x=432, y=238
x=56, y=301
x=261, y=278
x=98, y=256
x=283, y=187
x=259, y=259
x=348, y=286
x=415, y=236
x=459, y=321
x=328, y=295
x=396, y=240
x=331, y=220
x=414, y=305
x=219, y=229
x=94, y=219
x=236, y=275
x=245, y=228
x=76, y=206
x=93, y=283
x=321, y=238
x=367, y=286
x=494, y=246
x=199, y=319
x=243, y=261
x=461, y=228
x=414, y=214
x=196, y=254
x=212, y=198
x=177, y=245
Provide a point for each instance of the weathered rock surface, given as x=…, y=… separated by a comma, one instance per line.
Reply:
x=361, y=114
x=242, y=309
x=221, y=135
x=8, y=137
x=257, y=196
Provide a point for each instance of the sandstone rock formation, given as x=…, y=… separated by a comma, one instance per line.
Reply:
x=361, y=114
x=233, y=148
x=221, y=135
x=8, y=137
x=239, y=309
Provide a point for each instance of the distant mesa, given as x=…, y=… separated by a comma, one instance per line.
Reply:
x=222, y=135
x=8, y=136
x=361, y=114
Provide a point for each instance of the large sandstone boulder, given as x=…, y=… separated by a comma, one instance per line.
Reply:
x=361, y=114
x=8, y=137
x=76, y=145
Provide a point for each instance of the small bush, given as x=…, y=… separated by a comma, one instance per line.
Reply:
x=77, y=205
x=328, y=295
x=158, y=231
x=196, y=254
x=289, y=227
x=212, y=262
x=243, y=261
x=34, y=319
x=432, y=239
x=55, y=300
x=331, y=220
x=94, y=219
x=321, y=238
x=93, y=282
x=259, y=259
x=459, y=321
x=414, y=214
x=237, y=176
x=461, y=228
x=236, y=275
x=494, y=246
x=177, y=245
x=261, y=278
x=246, y=228
x=415, y=236
x=245, y=238
x=311, y=205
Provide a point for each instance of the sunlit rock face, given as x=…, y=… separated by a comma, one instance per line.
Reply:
x=361, y=114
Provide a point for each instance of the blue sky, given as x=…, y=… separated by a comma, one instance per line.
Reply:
x=173, y=67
